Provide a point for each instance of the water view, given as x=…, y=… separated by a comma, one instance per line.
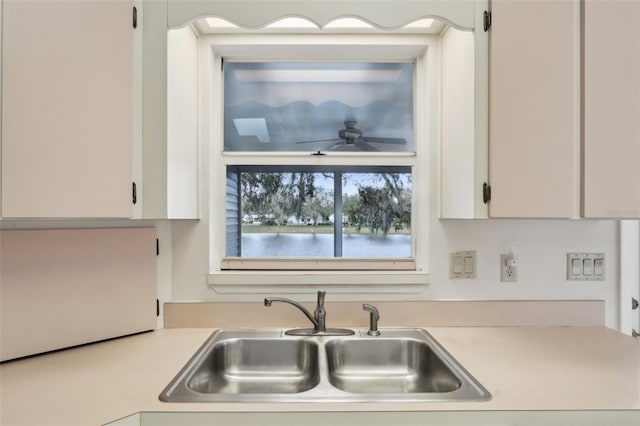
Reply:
x=278, y=244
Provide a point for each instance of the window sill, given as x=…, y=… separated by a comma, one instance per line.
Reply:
x=318, y=265
x=339, y=281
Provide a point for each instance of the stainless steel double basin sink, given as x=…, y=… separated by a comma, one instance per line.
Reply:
x=269, y=366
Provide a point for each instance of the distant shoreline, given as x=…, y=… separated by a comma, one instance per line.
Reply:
x=310, y=229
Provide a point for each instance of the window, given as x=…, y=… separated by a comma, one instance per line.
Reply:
x=327, y=194
x=354, y=114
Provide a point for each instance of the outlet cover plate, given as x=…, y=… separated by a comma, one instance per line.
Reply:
x=586, y=267
x=462, y=264
x=508, y=274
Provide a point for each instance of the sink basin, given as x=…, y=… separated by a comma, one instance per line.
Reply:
x=238, y=366
x=383, y=365
x=401, y=365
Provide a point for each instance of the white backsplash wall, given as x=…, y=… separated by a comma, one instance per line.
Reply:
x=541, y=245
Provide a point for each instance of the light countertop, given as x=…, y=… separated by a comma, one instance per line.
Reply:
x=557, y=368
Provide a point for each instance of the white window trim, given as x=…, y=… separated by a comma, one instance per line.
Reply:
x=426, y=98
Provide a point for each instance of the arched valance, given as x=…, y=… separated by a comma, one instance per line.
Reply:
x=384, y=14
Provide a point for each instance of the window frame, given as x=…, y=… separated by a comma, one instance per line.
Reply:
x=423, y=51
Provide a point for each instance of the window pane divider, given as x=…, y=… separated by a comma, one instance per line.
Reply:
x=305, y=158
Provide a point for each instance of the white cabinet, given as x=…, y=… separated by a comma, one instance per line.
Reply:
x=67, y=108
x=66, y=287
x=533, y=108
x=611, y=141
x=170, y=119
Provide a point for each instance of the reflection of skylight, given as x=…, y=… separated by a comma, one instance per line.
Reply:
x=314, y=76
x=252, y=127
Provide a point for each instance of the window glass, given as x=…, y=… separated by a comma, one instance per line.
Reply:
x=310, y=106
x=291, y=211
x=376, y=210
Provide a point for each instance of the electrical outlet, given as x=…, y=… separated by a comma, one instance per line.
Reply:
x=508, y=274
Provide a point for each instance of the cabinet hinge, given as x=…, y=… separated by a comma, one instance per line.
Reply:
x=134, y=193
x=486, y=192
x=157, y=247
x=486, y=18
x=135, y=17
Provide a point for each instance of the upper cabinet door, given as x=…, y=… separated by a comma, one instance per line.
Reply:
x=67, y=108
x=533, y=107
x=611, y=140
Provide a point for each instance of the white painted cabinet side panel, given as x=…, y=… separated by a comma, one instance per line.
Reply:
x=61, y=288
x=611, y=141
x=154, y=113
x=182, y=124
x=67, y=108
x=458, y=132
x=532, y=108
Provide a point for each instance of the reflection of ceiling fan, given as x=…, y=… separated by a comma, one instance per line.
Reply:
x=352, y=137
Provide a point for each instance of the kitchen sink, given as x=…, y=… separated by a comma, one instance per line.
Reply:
x=238, y=366
x=271, y=366
x=388, y=365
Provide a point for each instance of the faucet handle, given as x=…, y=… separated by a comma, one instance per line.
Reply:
x=374, y=316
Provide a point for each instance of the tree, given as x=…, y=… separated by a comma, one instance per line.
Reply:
x=259, y=190
x=282, y=195
x=383, y=201
x=380, y=208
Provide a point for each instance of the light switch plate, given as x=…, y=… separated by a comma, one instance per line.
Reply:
x=586, y=266
x=462, y=264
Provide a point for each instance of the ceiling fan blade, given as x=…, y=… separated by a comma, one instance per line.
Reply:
x=363, y=146
x=395, y=141
x=339, y=146
x=321, y=140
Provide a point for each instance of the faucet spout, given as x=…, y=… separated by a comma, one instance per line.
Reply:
x=318, y=319
x=374, y=317
x=269, y=300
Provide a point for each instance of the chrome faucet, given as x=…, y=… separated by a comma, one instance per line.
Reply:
x=374, y=317
x=318, y=319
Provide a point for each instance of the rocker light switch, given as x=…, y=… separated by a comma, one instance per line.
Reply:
x=598, y=267
x=468, y=265
x=457, y=264
x=576, y=267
